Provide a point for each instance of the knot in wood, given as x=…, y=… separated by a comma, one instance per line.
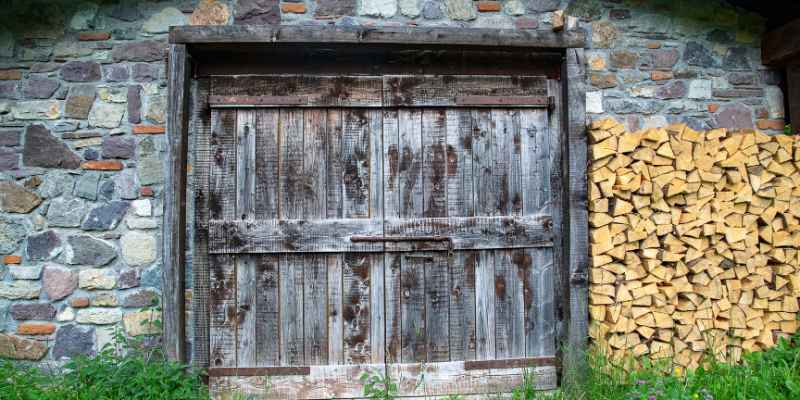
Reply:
x=547, y=224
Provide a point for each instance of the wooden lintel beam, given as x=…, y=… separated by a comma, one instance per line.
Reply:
x=781, y=45
x=242, y=34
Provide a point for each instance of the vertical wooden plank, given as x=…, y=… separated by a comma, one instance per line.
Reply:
x=539, y=305
x=410, y=169
x=201, y=128
x=290, y=184
x=314, y=182
x=460, y=185
x=267, y=160
x=356, y=292
x=486, y=197
x=576, y=230
x=509, y=324
x=485, y=345
x=222, y=311
x=356, y=155
x=335, y=316
x=375, y=162
x=391, y=162
x=437, y=307
x=501, y=163
x=315, y=207
x=393, y=296
x=435, y=265
x=392, y=261
x=245, y=164
x=377, y=328
x=335, y=172
x=463, y=267
x=222, y=191
x=222, y=205
x=487, y=193
x=412, y=309
x=315, y=335
x=245, y=263
x=536, y=161
x=434, y=163
x=508, y=123
x=557, y=137
x=267, y=267
x=174, y=227
x=291, y=191
x=292, y=350
x=267, y=310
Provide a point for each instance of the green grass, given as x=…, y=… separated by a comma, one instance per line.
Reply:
x=132, y=371
x=769, y=375
x=126, y=370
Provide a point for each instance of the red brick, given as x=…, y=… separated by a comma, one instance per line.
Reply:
x=93, y=36
x=713, y=107
x=146, y=191
x=79, y=302
x=148, y=129
x=103, y=165
x=36, y=328
x=774, y=124
x=8, y=260
x=660, y=75
x=10, y=75
x=293, y=8
x=489, y=6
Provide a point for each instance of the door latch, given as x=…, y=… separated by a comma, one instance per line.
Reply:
x=397, y=239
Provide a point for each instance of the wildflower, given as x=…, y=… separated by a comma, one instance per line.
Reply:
x=678, y=371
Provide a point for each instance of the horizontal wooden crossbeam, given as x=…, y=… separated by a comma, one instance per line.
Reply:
x=335, y=235
x=511, y=363
x=508, y=363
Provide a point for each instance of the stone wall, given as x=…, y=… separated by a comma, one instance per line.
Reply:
x=82, y=104
x=694, y=241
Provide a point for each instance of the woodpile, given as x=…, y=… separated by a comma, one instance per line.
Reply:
x=694, y=241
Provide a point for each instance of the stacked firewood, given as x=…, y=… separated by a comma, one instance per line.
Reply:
x=694, y=241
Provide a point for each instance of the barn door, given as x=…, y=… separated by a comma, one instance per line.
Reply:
x=468, y=215
x=400, y=226
x=293, y=301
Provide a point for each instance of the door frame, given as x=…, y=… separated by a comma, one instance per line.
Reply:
x=187, y=42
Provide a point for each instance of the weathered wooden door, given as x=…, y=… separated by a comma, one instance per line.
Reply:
x=399, y=225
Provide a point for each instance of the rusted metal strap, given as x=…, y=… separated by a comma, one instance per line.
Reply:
x=397, y=239
x=520, y=101
x=400, y=239
x=511, y=363
x=260, y=371
x=256, y=101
